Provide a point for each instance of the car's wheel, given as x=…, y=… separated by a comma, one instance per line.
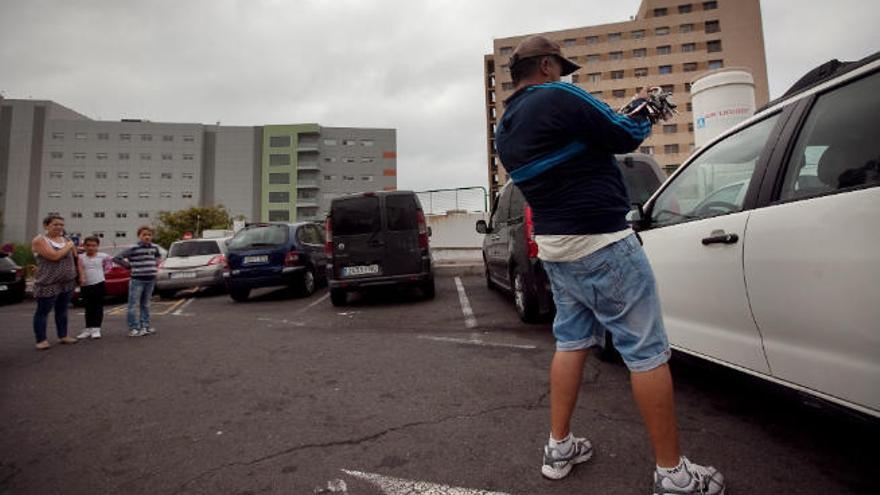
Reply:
x=524, y=298
x=239, y=295
x=428, y=288
x=307, y=283
x=338, y=297
x=166, y=294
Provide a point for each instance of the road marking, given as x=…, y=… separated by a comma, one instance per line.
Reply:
x=171, y=308
x=179, y=310
x=469, y=320
x=399, y=486
x=475, y=341
x=325, y=296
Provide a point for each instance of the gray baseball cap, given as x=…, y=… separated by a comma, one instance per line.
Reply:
x=539, y=46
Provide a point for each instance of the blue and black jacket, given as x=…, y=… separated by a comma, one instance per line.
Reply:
x=557, y=143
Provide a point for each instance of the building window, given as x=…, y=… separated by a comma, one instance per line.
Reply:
x=121, y=175
x=329, y=159
x=660, y=12
x=367, y=142
x=670, y=128
x=103, y=136
x=146, y=156
x=665, y=69
x=101, y=156
x=279, y=215
x=81, y=135
x=716, y=64
x=366, y=160
x=143, y=214
x=349, y=142
x=145, y=194
x=124, y=156
x=648, y=150
x=507, y=86
x=58, y=136
x=662, y=31
x=99, y=214
x=144, y=175
x=670, y=149
x=664, y=50
x=76, y=214
x=101, y=175
x=713, y=26
x=125, y=137
x=710, y=5
x=597, y=94
x=685, y=9
x=188, y=138
x=329, y=177
x=121, y=214
x=146, y=137
x=614, y=37
x=279, y=160
x=167, y=156
x=505, y=50
x=367, y=178
x=668, y=88
x=98, y=233
x=594, y=77
x=279, y=178
x=79, y=174
x=57, y=155
x=56, y=175
x=690, y=127
x=347, y=177
x=688, y=47
x=637, y=34
x=592, y=40
x=122, y=194
x=120, y=234
x=54, y=194
x=279, y=197
x=615, y=56
x=690, y=107
x=186, y=195
x=348, y=160
x=166, y=175
x=640, y=52
x=618, y=93
x=279, y=141
x=569, y=42
x=685, y=28
x=617, y=74
x=690, y=67
x=641, y=72
x=167, y=138
x=79, y=156
x=77, y=195
x=188, y=175
x=713, y=46
x=165, y=195
x=188, y=156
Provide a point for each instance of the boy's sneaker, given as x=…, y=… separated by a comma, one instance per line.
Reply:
x=86, y=333
x=558, y=464
x=96, y=333
x=134, y=332
x=702, y=480
x=148, y=331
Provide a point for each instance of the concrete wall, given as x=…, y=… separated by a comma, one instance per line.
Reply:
x=229, y=165
x=456, y=230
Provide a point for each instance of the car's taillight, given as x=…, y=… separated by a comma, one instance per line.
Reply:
x=291, y=258
x=423, y=229
x=328, y=231
x=531, y=245
x=217, y=260
x=19, y=273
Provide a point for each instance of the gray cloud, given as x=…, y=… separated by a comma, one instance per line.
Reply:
x=412, y=65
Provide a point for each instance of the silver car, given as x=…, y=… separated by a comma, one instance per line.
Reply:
x=192, y=263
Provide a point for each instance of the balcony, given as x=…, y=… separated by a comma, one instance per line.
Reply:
x=306, y=203
x=307, y=184
x=308, y=166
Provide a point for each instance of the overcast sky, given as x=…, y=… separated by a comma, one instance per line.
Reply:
x=412, y=65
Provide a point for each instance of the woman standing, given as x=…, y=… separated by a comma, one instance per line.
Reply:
x=55, y=279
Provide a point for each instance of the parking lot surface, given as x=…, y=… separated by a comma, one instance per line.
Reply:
x=388, y=395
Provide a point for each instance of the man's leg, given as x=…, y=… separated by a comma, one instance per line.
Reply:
x=566, y=371
x=654, y=395
x=134, y=295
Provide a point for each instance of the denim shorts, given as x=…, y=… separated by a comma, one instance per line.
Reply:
x=611, y=289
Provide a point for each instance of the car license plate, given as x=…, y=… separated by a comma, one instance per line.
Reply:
x=3, y=287
x=256, y=259
x=183, y=275
x=351, y=271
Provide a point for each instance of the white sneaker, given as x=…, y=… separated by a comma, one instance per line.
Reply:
x=702, y=480
x=134, y=332
x=96, y=333
x=557, y=465
x=86, y=333
x=148, y=331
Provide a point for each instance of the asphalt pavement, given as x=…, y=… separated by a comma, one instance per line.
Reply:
x=388, y=395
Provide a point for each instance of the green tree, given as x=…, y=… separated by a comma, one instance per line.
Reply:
x=173, y=224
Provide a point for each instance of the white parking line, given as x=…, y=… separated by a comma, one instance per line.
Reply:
x=475, y=341
x=182, y=307
x=469, y=320
x=398, y=486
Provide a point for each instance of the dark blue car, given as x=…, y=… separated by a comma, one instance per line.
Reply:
x=275, y=255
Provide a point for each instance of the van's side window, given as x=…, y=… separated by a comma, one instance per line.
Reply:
x=401, y=211
x=517, y=203
x=356, y=216
x=502, y=208
x=838, y=147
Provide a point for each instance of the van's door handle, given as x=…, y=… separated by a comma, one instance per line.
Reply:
x=720, y=239
x=496, y=237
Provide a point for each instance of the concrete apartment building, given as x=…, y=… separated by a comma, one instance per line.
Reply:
x=108, y=177
x=669, y=43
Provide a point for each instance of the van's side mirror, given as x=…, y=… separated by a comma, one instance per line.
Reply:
x=482, y=228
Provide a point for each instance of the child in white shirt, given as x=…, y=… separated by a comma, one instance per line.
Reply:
x=92, y=266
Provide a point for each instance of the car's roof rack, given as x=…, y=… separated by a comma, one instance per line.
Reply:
x=820, y=74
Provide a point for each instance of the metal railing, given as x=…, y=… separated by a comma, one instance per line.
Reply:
x=439, y=201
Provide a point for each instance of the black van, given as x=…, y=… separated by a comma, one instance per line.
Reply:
x=377, y=239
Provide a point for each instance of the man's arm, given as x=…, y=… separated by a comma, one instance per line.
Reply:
x=122, y=258
x=600, y=125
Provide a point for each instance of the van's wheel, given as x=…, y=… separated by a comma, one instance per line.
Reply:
x=524, y=298
x=428, y=288
x=338, y=297
x=239, y=295
x=307, y=283
x=166, y=294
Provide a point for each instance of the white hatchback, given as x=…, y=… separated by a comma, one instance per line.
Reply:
x=766, y=242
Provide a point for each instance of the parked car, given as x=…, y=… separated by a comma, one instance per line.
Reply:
x=510, y=253
x=192, y=263
x=11, y=280
x=377, y=240
x=117, y=277
x=781, y=281
x=274, y=255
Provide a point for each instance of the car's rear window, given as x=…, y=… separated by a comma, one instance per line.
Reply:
x=261, y=236
x=401, y=212
x=358, y=215
x=7, y=264
x=194, y=248
x=641, y=181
